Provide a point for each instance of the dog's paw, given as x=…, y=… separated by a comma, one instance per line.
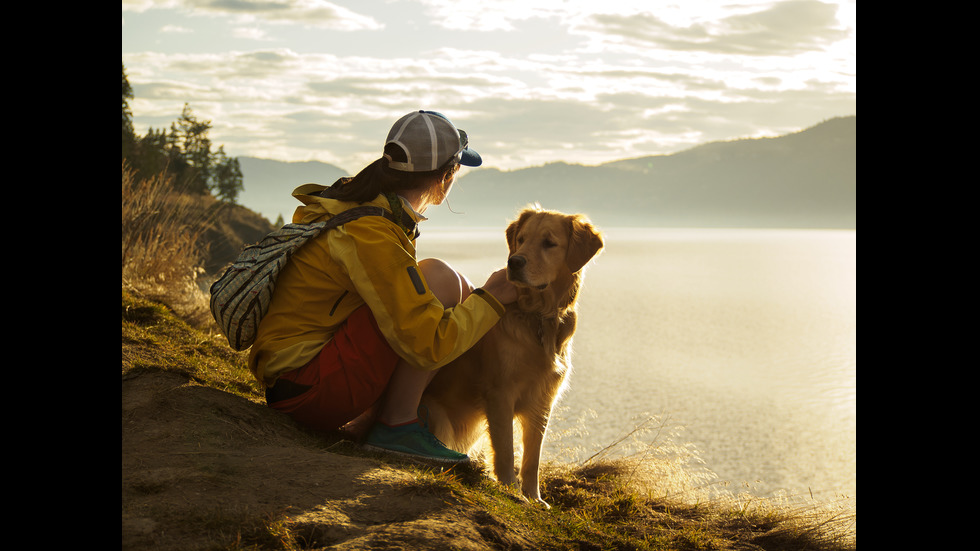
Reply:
x=514, y=493
x=535, y=499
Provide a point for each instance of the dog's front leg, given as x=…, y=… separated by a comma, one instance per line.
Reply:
x=533, y=428
x=500, y=422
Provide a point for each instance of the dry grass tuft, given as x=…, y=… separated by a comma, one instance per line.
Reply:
x=161, y=255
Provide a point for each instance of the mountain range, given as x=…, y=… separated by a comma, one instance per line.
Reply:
x=806, y=179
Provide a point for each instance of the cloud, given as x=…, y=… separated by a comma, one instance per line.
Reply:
x=629, y=83
x=490, y=16
x=783, y=29
x=175, y=29
x=140, y=6
x=251, y=33
x=305, y=13
x=300, y=106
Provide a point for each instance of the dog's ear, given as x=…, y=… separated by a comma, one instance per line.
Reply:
x=585, y=242
x=513, y=228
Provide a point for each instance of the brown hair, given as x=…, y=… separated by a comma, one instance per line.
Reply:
x=377, y=178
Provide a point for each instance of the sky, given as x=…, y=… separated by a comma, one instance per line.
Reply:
x=530, y=81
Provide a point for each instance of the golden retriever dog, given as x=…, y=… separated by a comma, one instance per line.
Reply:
x=519, y=370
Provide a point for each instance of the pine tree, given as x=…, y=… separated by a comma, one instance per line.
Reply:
x=128, y=134
x=226, y=177
x=184, y=152
x=190, y=137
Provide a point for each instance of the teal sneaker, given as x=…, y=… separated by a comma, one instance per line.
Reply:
x=411, y=440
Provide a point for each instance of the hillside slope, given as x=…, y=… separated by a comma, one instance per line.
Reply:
x=269, y=183
x=207, y=466
x=232, y=228
x=203, y=468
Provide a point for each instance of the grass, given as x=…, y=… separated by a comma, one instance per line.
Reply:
x=155, y=339
x=596, y=506
x=603, y=503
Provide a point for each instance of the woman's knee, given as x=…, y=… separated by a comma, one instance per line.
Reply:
x=449, y=286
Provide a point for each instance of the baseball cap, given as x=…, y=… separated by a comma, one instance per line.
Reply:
x=429, y=139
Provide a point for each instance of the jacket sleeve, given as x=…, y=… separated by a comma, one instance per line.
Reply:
x=411, y=318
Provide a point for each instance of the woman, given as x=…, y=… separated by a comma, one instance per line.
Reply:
x=355, y=320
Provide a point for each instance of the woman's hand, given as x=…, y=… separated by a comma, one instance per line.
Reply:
x=501, y=289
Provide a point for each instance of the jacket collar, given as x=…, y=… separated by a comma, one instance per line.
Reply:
x=315, y=208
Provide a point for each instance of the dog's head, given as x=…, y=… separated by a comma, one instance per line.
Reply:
x=548, y=250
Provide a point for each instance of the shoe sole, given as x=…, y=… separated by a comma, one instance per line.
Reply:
x=416, y=457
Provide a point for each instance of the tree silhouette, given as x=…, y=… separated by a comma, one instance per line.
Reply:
x=184, y=152
x=226, y=177
x=128, y=134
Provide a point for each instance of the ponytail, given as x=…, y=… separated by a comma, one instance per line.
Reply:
x=377, y=178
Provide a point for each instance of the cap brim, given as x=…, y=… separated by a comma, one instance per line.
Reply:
x=468, y=157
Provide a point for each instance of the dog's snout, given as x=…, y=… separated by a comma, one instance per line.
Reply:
x=516, y=262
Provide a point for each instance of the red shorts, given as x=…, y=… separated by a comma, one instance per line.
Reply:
x=346, y=377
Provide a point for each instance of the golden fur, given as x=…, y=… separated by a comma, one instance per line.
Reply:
x=519, y=369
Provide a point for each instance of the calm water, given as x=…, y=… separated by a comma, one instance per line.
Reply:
x=740, y=345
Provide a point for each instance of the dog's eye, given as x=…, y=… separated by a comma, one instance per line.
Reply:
x=548, y=244
x=520, y=240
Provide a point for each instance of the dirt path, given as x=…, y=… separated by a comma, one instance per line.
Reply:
x=202, y=468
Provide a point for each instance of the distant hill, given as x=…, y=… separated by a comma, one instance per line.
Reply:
x=234, y=228
x=268, y=184
x=802, y=180
x=806, y=179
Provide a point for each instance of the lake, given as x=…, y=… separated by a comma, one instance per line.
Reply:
x=734, y=352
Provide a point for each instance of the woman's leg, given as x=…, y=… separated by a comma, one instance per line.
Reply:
x=399, y=429
x=399, y=385
x=401, y=400
x=346, y=378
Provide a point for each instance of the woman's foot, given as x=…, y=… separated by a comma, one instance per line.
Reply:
x=412, y=440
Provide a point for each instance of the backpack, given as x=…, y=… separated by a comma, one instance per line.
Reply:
x=241, y=296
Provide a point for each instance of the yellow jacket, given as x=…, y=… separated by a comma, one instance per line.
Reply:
x=368, y=261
